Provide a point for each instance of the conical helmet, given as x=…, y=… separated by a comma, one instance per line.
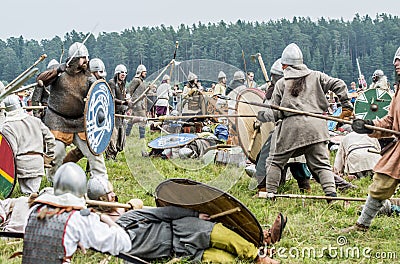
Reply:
x=292, y=55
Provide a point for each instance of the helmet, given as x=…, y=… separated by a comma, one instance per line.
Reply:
x=97, y=187
x=221, y=75
x=97, y=65
x=292, y=55
x=191, y=76
x=78, y=50
x=70, y=178
x=239, y=75
x=12, y=102
x=377, y=75
x=52, y=64
x=276, y=68
x=141, y=68
x=166, y=77
x=120, y=68
x=396, y=55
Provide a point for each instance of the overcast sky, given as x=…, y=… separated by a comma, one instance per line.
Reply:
x=39, y=19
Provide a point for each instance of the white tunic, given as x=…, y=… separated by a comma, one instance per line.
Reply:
x=353, y=155
x=163, y=93
x=93, y=233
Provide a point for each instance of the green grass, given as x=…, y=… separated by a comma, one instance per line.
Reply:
x=312, y=224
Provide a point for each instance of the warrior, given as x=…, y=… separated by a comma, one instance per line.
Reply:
x=59, y=224
x=164, y=92
x=164, y=232
x=220, y=89
x=32, y=143
x=70, y=84
x=117, y=86
x=302, y=89
x=136, y=89
x=387, y=174
x=379, y=81
x=236, y=86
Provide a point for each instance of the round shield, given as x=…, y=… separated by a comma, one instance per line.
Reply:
x=99, y=116
x=172, y=141
x=212, y=201
x=7, y=168
x=251, y=138
x=372, y=104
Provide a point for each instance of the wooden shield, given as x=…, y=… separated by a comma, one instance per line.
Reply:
x=250, y=139
x=172, y=141
x=207, y=199
x=99, y=116
x=7, y=168
x=372, y=104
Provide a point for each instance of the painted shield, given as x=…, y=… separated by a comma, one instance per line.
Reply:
x=251, y=139
x=99, y=116
x=372, y=104
x=172, y=141
x=210, y=200
x=7, y=168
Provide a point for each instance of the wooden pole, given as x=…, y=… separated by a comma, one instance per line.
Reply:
x=298, y=196
x=275, y=107
x=227, y=212
x=162, y=118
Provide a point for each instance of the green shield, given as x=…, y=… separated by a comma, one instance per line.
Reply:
x=372, y=104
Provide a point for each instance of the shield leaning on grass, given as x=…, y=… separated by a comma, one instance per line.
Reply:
x=207, y=199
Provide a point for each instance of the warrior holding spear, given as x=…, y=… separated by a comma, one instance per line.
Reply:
x=301, y=89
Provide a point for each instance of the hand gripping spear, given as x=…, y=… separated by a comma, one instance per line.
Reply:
x=300, y=112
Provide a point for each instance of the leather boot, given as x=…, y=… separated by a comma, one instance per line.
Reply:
x=274, y=234
x=304, y=185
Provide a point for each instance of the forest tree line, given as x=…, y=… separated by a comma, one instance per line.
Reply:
x=328, y=45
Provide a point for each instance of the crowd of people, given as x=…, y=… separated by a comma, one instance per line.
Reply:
x=58, y=218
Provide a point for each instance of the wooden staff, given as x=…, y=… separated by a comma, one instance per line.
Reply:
x=173, y=64
x=275, y=107
x=128, y=206
x=227, y=212
x=262, y=65
x=162, y=118
x=29, y=107
x=41, y=58
x=298, y=196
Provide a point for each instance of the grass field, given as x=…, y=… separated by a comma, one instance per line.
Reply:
x=312, y=234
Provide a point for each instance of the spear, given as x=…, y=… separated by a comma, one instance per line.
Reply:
x=300, y=112
x=163, y=118
x=316, y=197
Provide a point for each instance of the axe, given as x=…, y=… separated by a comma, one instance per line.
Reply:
x=262, y=65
